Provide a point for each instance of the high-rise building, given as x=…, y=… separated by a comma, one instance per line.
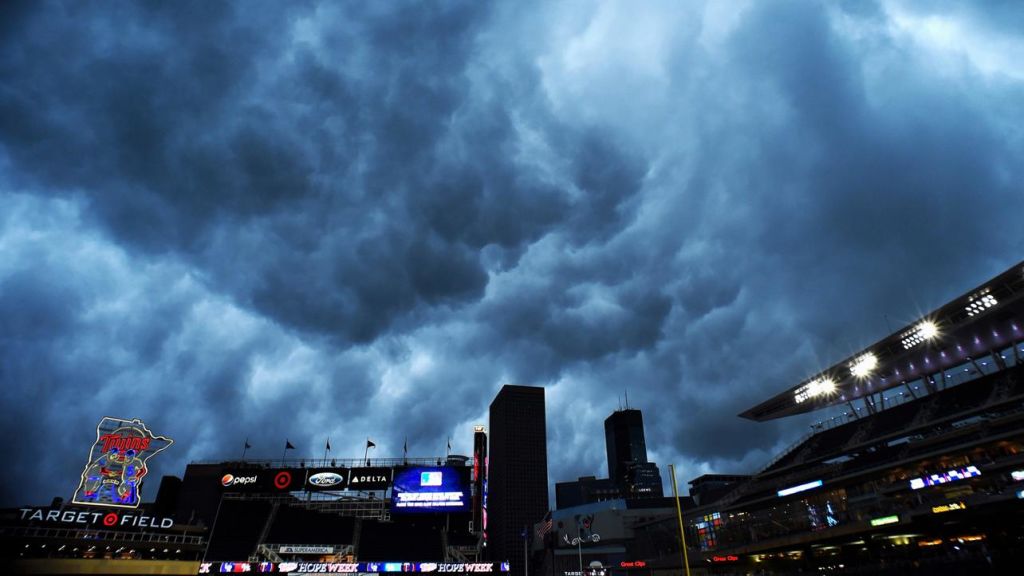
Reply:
x=518, y=477
x=479, y=477
x=627, y=455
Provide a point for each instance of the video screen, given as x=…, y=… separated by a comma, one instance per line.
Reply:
x=430, y=489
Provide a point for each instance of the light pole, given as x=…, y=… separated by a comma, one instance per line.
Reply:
x=579, y=544
x=526, y=557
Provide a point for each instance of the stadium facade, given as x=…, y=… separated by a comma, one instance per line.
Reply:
x=915, y=466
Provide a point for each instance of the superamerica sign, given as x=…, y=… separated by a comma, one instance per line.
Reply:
x=118, y=462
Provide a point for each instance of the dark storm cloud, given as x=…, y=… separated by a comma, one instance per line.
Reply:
x=313, y=220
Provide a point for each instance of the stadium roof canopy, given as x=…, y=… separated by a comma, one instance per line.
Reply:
x=985, y=320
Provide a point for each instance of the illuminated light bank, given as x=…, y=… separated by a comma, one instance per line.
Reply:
x=885, y=520
x=945, y=478
x=863, y=365
x=800, y=488
x=979, y=305
x=924, y=331
x=1017, y=475
x=813, y=389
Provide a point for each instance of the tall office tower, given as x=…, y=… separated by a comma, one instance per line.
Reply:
x=479, y=477
x=518, y=478
x=624, y=438
x=627, y=455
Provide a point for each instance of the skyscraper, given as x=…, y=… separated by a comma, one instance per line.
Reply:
x=627, y=455
x=518, y=477
x=624, y=438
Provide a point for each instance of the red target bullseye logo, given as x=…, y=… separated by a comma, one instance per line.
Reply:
x=282, y=480
x=110, y=519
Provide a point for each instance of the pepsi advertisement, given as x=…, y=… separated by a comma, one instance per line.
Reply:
x=430, y=489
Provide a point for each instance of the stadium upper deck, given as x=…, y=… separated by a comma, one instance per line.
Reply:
x=983, y=322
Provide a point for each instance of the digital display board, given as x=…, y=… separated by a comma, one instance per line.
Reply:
x=800, y=488
x=945, y=478
x=352, y=568
x=430, y=489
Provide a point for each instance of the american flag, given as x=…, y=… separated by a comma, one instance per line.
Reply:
x=545, y=525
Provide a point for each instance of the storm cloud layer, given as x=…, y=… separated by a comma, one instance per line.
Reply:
x=307, y=220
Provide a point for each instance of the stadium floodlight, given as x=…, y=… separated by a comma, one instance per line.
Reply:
x=863, y=365
x=926, y=330
x=979, y=305
x=823, y=386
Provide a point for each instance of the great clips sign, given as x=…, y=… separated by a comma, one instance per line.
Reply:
x=100, y=519
x=118, y=461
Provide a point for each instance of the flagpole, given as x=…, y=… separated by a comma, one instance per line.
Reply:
x=245, y=447
x=326, y=449
x=284, y=452
x=679, y=515
x=367, y=449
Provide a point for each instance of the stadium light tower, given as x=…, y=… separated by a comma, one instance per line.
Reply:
x=926, y=330
x=862, y=367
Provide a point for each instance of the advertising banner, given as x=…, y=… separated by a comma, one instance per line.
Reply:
x=430, y=489
x=320, y=479
x=118, y=463
x=263, y=480
x=369, y=479
x=343, y=568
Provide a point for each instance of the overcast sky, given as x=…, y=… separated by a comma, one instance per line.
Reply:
x=301, y=220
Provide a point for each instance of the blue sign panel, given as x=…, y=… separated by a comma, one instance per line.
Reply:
x=430, y=489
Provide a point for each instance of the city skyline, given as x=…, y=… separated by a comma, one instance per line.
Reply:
x=269, y=223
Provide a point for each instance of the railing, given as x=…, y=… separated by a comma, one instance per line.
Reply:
x=361, y=508
x=104, y=535
x=786, y=452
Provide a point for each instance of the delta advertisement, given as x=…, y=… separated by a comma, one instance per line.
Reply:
x=430, y=489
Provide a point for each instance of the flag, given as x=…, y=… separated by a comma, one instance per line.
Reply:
x=545, y=525
x=449, y=445
x=405, y=447
x=288, y=445
x=370, y=444
x=328, y=444
x=247, y=446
